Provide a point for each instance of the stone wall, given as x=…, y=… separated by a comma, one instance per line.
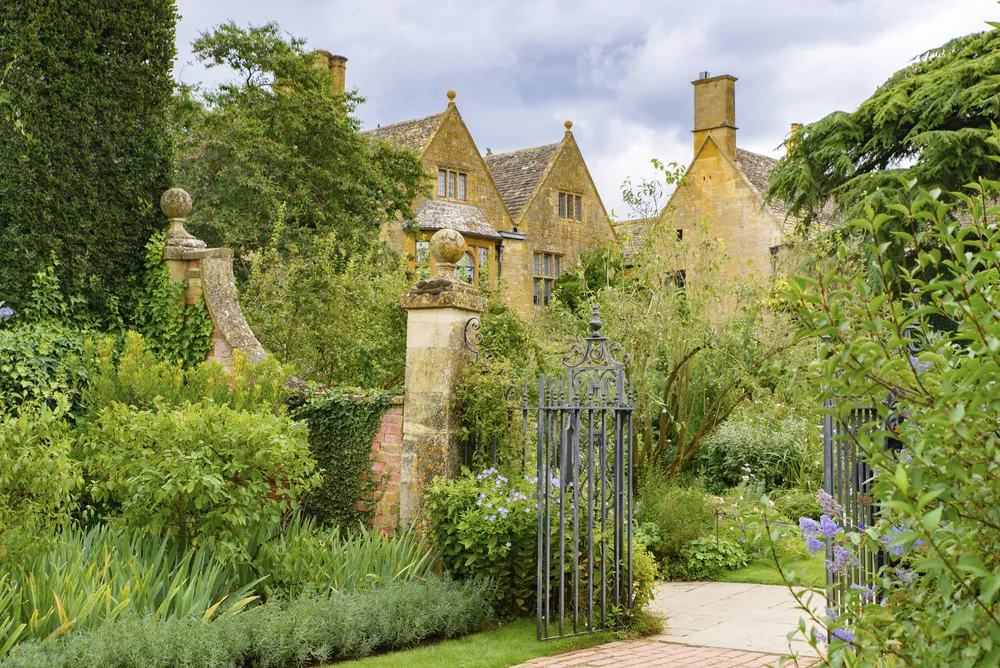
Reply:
x=386, y=463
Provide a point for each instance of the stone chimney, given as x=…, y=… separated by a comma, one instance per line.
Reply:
x=338, y=70
x=792, y=140
x=715, y=112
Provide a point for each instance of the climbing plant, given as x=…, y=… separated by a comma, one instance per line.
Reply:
x=173, y=329
x=341, y=429
x=86, y=152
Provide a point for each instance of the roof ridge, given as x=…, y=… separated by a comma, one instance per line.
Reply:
x=553, y=145
x=411, y=120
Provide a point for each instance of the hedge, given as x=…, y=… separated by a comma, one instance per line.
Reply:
x=91, y=80
x=307, y=630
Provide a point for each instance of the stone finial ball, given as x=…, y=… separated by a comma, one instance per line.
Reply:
x=568, y=125
x=176, y=203
x=447, y=246
x=451, y=96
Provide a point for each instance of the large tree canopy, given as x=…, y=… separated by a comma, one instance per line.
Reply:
x=278, y=149
x=929, y=123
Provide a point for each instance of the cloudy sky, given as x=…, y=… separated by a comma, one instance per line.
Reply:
x=621, y=70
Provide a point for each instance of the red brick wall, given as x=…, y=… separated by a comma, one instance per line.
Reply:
x=386, y=460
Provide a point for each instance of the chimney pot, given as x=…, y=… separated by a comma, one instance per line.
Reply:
x=703, y=75
x=338, y=70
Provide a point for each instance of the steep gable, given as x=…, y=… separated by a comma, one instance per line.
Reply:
x=517, y=174
x=756, y=168
x=414, y=134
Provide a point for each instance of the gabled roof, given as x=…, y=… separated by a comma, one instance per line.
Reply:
x=518, y=173
x=757, y=170
x=413, y=134
x=436, y=215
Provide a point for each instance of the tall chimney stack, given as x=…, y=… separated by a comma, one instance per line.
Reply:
x=792, y=140
x=338, y=70
x=715, y=112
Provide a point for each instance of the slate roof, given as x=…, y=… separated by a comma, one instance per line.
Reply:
x=436, y=215
x=409, y=134
x=757, y=169
x=518, y=173
x=632, y=233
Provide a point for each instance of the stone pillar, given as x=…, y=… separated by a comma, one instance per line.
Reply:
x=208, y=273
x=436, y=357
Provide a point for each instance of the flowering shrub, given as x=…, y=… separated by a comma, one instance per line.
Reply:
x=941, y=603
x=486, y=525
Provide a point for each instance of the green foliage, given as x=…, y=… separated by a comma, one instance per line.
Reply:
x=37, y=479
x=42, y=362
x=174, y=329
x=596, y=269
x=201, y=472
x=487, y=526
x=796, y=503
x=942, y=602
x=276, y=141
x=707, y=557
x=307, y=629
x=341, y=430
x=773, y=449
x=698, y=352
x=930, y=122
x=81, y=171
x=335, y=313
x=140, y=379
x=90, y=578
x=298, y=556
x=679, y=514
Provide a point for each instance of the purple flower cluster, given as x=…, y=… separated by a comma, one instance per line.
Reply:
x=5, y=311
x=486, y=474
x=841, y=560
x=897, y=550
x=817, y=534
x=829, y=504
x=867, y=593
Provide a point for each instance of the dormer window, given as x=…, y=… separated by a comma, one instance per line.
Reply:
x=570, y=206
x=452, y=185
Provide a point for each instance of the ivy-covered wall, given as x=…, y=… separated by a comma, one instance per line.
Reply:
x=91, y=80
x=352, y=449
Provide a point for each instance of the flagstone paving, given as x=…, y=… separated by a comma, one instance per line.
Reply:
x=709, y=624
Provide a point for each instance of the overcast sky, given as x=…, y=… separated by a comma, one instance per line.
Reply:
x=621, y=70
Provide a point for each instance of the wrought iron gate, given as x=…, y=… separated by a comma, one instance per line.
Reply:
x=584, y=471
x=848, y=479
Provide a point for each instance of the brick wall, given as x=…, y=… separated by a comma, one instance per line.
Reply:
x=386, y=462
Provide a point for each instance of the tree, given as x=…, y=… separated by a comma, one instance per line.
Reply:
x=928, y=123
x=278, y=142
x=85, y=150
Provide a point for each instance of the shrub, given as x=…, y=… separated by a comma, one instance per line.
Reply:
x=341, y=430
x=299, y=556
x=89, y=578
x=84, y=178
x=42, y=362
x=680, y=515
x=774, y=451
x=487, y=526
x=139, y=379
x=305, y=630
x=708, y=556
x=37, y=478
x=200, y=472
x=796, y=503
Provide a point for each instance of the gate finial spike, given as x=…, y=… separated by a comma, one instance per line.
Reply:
x=595, y=324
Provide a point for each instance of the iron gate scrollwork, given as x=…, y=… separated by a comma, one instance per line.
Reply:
x=584, y=483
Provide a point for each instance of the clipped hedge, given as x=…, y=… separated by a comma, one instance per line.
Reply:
x=91, y=79
x=310, y=629
x=342, y=427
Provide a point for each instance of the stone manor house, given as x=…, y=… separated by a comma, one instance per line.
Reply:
x=526, y=215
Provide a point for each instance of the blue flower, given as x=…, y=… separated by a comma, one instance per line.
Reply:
x=844, y=634
x=507, y=543
x=809, y=527
x=814, y=545
x=867, y=593
x=503, y=512
x=828, y=527
x=5, y=311
x=841, y=559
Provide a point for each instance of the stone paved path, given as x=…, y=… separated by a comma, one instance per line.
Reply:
x=709, y=625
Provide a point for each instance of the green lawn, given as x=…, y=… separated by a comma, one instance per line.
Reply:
x=509, y=645
x=765, y=572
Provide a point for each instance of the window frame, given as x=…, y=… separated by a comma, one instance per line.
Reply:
x=570, y=206
x=546, y=269
x=453, y=185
